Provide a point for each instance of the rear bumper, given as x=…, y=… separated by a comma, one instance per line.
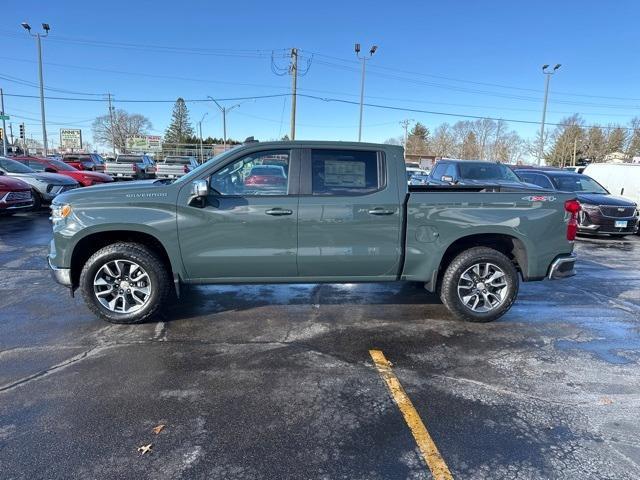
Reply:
x=61, y=275
x=562, y=267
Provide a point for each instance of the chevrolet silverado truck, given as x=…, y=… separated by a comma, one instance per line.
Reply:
x=136, y=167
x=344, y=214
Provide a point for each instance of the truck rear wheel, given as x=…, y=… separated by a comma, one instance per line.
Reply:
x=125, y=283
x=479, y=285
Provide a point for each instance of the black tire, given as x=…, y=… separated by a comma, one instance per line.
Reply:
x=460, y=264
x=37, y=200
x=160, y=281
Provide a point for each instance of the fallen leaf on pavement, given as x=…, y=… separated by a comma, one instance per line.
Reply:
x=145, y=448
x=158, y=429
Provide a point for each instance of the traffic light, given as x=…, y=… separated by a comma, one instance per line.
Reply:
x=22, y=131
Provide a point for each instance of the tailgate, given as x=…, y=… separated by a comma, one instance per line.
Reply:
x=436, y=220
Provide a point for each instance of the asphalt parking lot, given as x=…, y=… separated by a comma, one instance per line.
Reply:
x=277, y=382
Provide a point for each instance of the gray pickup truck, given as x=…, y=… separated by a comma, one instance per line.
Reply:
x=343, y=212
x=136, y=167
x=175, y=166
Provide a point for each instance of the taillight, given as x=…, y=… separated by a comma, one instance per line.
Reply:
x=135, y=167
x=573, y=207
x=186, y=169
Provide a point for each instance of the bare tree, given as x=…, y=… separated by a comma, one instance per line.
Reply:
x=444, y=142
x=125, y=125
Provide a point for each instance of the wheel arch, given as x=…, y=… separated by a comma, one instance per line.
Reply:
x=94, y=241
x=513, y=247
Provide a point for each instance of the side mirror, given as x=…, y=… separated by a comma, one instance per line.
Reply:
x=50, y=170
x=447, y=178
x=200, y=188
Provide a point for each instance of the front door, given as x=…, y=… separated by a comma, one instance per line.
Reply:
x=247, y=229
x=350, y=219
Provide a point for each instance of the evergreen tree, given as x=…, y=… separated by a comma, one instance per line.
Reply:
x=180, y=129
x=417, y=141
x=616, y=139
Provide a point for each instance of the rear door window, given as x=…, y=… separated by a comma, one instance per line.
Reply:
x=346, y=172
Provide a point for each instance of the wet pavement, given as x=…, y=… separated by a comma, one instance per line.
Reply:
x=276, y=382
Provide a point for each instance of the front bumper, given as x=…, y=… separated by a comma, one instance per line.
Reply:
x=562, y=267
x=61, y=275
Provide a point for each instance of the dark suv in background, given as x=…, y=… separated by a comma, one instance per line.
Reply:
x=84, y=161
x=602, y=213
x=474, y=172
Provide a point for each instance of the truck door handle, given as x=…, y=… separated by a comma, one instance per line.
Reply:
x=381, y=211
x=278, y=212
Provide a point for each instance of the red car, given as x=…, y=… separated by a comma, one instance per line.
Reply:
x=15, y=195
x=266, y=176
x=84, y=177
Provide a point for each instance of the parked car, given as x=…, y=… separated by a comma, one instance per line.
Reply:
x=602, y=213
x=347, y=215
x=575, y=169
x=265, y=177
x=411, y=171
x=175, y=166
x=419, y=179
x=132, y=167
x=621, y=179
x=15, y=195
x=84, y=161
x=86, y=178
x=474, y=172
x=44, y=186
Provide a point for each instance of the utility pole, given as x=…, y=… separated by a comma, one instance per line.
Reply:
x=200, y=129
x=364, y=62
x=293, y=69
x=39, y=36
x=575, y=147
x=4, y=125
x=11, y=132
x=113, y=133
x=548, y=74
x=405, y=125
x=224, y=111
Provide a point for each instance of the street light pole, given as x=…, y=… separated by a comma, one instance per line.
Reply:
x=4, y=125
x=364, y=61
x=39, y=36
x=200, y=128
x=224, y=111
x=548, y=74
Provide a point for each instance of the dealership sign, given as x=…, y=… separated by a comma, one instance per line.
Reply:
x=146, y=143
x=70, y=138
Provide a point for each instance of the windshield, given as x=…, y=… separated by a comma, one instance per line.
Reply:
x=129, y=159
x=12, y=166
x=266, y=171
x=578, y=183
x=61, y=166
x=490, y=171
x=196, y=171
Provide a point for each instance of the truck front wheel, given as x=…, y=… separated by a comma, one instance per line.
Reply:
x=125, y=283
x=479, y=285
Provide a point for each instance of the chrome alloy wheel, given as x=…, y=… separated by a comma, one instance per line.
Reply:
x=122, y=286
x=482, y=287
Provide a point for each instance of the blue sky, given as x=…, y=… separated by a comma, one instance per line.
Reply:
x=462, y=57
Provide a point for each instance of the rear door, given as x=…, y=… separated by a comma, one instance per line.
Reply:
x=349, y=222
x=243, y=232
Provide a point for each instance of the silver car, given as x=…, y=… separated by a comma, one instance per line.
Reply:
x=45, y=186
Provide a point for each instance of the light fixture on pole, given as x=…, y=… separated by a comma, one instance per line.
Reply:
x=224, y=111
x=547, y=73
x=39, y=36
x=364, y=59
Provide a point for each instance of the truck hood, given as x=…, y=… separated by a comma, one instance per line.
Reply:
x=603, y=199
x=51, y=178
x=123, y=192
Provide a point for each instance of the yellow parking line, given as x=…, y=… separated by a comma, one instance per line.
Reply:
x=427, y=447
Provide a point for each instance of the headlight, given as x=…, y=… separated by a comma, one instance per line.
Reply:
x=590, y=208
x=60, y=212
